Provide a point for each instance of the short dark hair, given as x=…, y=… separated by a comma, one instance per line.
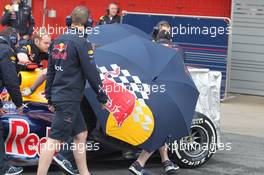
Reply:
x=163, y=23
x=7, y=31
x=80, y=15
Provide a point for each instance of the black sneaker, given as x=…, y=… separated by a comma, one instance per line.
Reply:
x=170, y=167
x=137, y=169
x=13, y=170
x=65, y=164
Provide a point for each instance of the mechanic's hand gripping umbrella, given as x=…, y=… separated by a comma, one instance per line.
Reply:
x=152, y=97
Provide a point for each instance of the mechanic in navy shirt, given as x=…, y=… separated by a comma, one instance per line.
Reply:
x=65, y=158
x=34, y=51
x=161, y=35
x=19, y=16
x=9, y=80
x=111, y=16
x=70, y=64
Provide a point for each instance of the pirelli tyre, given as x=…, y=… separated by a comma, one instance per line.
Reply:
x=198, y=148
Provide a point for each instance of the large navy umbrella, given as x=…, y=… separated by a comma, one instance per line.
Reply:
x=114, y=32
x=152, y=97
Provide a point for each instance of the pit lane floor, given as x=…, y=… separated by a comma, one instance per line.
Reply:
x=242, y=125
x=245, y=158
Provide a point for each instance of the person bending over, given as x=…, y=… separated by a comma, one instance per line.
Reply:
x=9, y=80
x=35, y=51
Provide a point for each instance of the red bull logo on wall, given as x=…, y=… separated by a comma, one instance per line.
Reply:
x=130, y=119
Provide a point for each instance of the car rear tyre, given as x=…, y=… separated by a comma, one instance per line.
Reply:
x=196, y=149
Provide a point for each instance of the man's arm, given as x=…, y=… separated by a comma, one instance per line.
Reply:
x=89, y=69
x=22, y=53
x=49, y=78
x=5, y=21
x=10, y=79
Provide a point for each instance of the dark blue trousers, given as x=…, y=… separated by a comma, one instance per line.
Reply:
x=3, y=162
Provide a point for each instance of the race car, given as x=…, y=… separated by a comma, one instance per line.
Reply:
x=23, y=134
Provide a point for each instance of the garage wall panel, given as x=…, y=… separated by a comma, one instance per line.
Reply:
x=247, y=54
x=182, y=7
x=98, y=8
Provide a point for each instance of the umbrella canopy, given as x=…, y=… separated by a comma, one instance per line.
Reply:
x=136, y=53
x=152, y=97
x=114, y=32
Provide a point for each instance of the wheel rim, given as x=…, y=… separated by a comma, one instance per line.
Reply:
x=195, y=143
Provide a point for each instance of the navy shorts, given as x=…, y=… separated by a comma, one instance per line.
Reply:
x=68, y=121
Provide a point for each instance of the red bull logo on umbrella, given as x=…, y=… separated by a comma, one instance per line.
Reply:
x=121, y=101
x=130, y=119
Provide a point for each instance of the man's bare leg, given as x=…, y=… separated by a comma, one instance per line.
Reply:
x=38, y=82
x=46, y=154
x=143, y=157
x=80, y=153
x=164, y=153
